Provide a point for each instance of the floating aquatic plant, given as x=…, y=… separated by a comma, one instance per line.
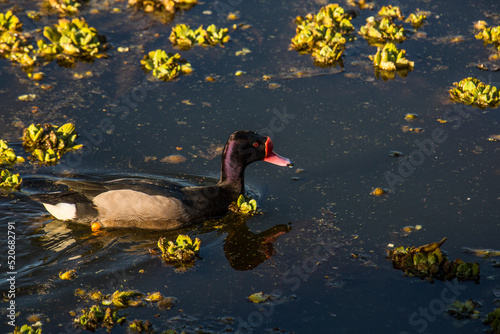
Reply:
x=245, y=205
x=13, y=44
x=488, y=35
x=27, y=329
x=428, y=262
x=124, y=299
x=164, y=9
x=466, y=310
x=68, y=7
x=493, y=319
x=165, y=66
x=95, y=317
x=392, y=12
x=323, y=35
x=471, y=91
x=390, y=58
x=259, y=297
x=49, y=143
x=182, y=252
x=382, y=28
x=7, y=155
x=73, y=38
x=416, y=20
x=162, y=5
x=9, y=181
x=362, y=4
x=9, y=22
x=68, y=275
x=215, y=36
x=184, y=37
x=139, y=326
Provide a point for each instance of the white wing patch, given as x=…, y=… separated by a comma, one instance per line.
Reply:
x=62, y=211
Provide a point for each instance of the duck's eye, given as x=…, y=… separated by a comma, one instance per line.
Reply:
x=256, y=144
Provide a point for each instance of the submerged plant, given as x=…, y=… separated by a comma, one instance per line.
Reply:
x=389, y=58
x=7, y=155
x=165, y=66
x=471, y=91
x=9, y=181
x=184, y=37
x=428, y=262
x=323, y=35
x=49, y=143
x=182, y=252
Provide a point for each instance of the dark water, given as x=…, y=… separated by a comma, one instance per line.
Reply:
x=339, y=125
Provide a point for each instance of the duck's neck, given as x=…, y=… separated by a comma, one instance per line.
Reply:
x=232, y=171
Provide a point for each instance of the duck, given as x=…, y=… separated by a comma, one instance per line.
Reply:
x=158, y=204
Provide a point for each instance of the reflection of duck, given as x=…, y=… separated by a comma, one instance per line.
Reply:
x=154, y=204
x=245, y=249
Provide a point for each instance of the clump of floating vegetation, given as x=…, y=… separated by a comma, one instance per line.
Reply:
x=389, y=58
x=324, y=35
x=67, y=275
x=471, y=91
x=9, y=22
x=13, y=44
x=362, y=4
x=245, y=205
x=493, y=319
x=49, y=143
x=124, y=299
x=7, y=154
x=95, y=317
x=417, y=20
x=429, y=263
x=382, y=28
x=165, y=66
x=164, y=9
x=184, y=37
x=488, y=35
x=466, y=310
x=27, y=329
x=67, y=7
x=9, y=181
x=139, y=326
x=259, y=297
x=182, y=253
x=71, y=39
